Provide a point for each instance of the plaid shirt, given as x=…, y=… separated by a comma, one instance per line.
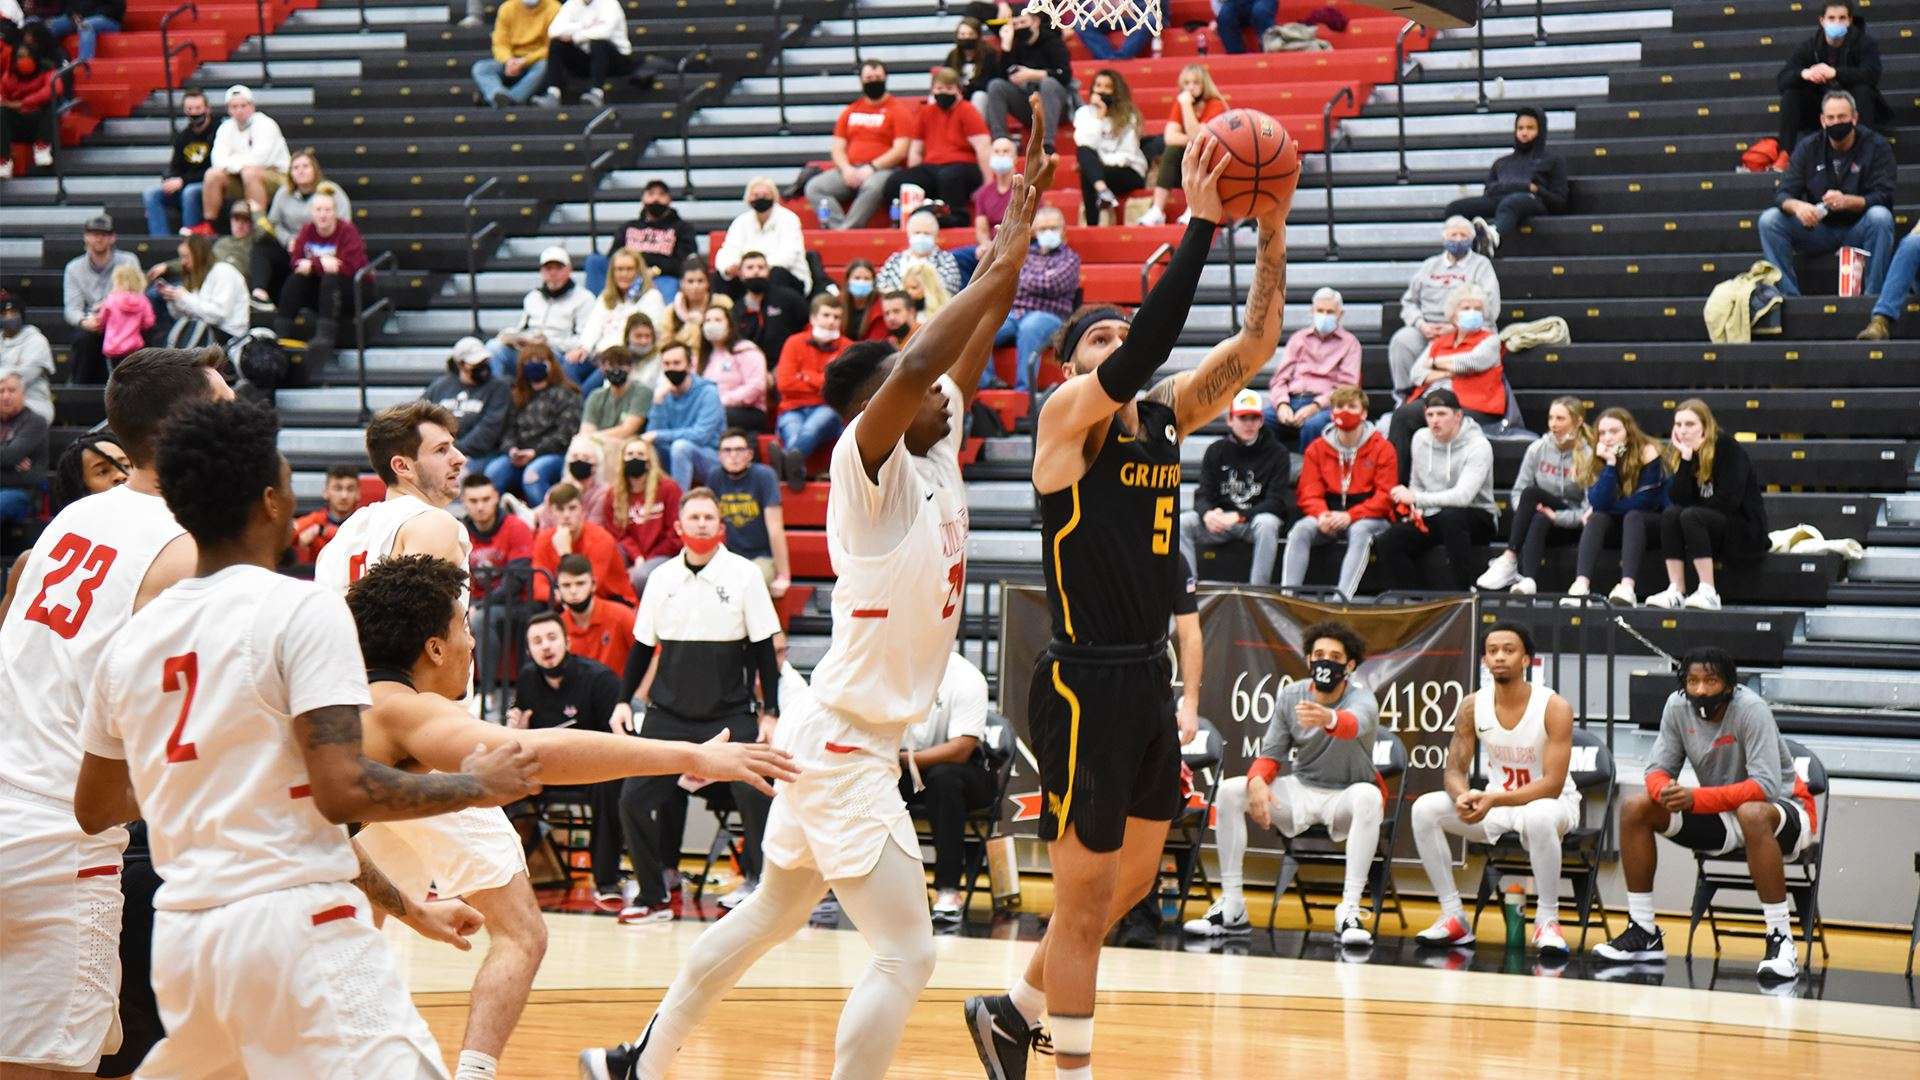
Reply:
x=1048, y=280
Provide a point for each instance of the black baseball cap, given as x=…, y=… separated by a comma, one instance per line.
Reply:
x=1442, y=398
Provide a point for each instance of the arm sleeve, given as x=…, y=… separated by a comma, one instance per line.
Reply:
x=761, y=620
x=1760, y=743
x=73, y=304
x=1157, y=323
x=1867, y=71
x=766, y=664
x=1312, y=491
x=29, y=441
x=1488, y=279
x=1410, y=299
x=966, y=689
x=1059, y=61
x=484, y=436
x=1358, y=717
x=1793, y=182
x=1386, y=474
x=1790, y=71
x=637, y=660
x=1725, y=797
x=603, y=694
x=1529, y=469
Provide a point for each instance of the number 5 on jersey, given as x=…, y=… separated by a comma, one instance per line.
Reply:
x=1163, y=525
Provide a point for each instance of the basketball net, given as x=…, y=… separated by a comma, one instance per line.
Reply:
x=1125, y=16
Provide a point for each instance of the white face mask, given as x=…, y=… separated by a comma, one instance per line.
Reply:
x=1001, y=163
x=1324, y=323
x=825, y=337
x=920, y=244
x=712, y=332
x=1048, y=239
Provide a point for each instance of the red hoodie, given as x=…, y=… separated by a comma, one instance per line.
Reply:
x=802, y=370
x=29, y=93
x=1366, y=482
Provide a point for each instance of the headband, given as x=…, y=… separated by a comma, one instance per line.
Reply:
x=1085, y=322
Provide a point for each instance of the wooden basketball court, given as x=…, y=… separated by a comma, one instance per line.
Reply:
x=1166, y=1014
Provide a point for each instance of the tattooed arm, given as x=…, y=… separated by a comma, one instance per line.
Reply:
x=348, y=786
x=448, y=921
x=1200, y=395
x=382, y=893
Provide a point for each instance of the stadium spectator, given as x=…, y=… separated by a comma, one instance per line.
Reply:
x=586, y=45
x=806, y=422
x=1346, y=476
x=249, y=158
x=1531, y=180
x=209, y=305
x=687, y=418
x=1243, y=493
x=1317, y=358
x=975, y=58
x=597, y=628
x=643, y=344
x=628, y=290
x=1839, y=55
x=948, y=153
x=26, y=104
x=23, y=451
x=292, y=205
x=748, y=494
x=517, y=69
x=1098, y=36
x=736, y=367
x=1199, y=101
x=1626, y=479
x=689, y=305
x=546, y=414
x=1838, y=192
x=86, y=281
x=1033, y=60
x=583, y=466
x=177, y=195
x=312, y=531
x=949, y=778
x=125, y=315
x=1424, y=306
x=478, y=400
x=990, y=201
x=571, y=533
x=1049, y=285
x=921, y=282
x=1234, y=19
x=1547, y=494
x=326, y=254
x=771, y=230
x=713, y=626
x=766, y=311
x=236, y=249
x=500, y=540
x=641, y=511
x=870, y=142
x=87, y=20
x=552, y=314
x=1106, y=136
x=862, y=296
x=1716, y=508
x=923, y=247
x=900, y=317
x=1468, y=360
x=661, y=236
x=1902, y=273
x=616, y=410
x=1448, y=501
x=25, y=351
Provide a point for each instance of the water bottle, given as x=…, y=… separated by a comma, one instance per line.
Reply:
x=893, y=212
x=1514, y=906
x=1169, y=901
x=825, y=210
x=1157, y=46
x=1200, y=42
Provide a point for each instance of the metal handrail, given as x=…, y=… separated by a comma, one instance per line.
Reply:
x=593, y=176
x=67, y=105
x=686, y=110
x=853, y=12
x=1540, y=31
x=1164, y=251
x=780, y=41
x=366, y=25
x=260, y=12
x=1326, y=134
x=1400, y=93
x=361, y=312
x=168, y=52
x=473, y=243
x=1480, y=59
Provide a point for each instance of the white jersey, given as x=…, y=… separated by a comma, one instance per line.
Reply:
x=198, y=696
x=1513, y=758
x=366, y=538
x=899, y=552
x=77, y=590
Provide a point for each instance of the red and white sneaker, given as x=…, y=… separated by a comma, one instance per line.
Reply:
x=634, y=914
x=1450, y=930
x=1548, y=942
x=202, y=229
x=42, y=154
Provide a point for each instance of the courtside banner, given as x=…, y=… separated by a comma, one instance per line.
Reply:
x=1421, y=664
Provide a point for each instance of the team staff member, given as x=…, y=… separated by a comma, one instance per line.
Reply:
x=597, y=628
x=943, y=752
x=708, y=615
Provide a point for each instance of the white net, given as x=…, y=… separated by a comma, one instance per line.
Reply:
x=1126, y=16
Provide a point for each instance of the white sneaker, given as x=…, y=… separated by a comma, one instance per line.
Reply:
x=594, y=98
x=946, y=906
x=1668, y=598
x=635, y=914
x=549, y=98
x=1622, y=596
x=1153, y=216
x=1185, y=216
x=6, y=169
x=1352, y=931
x=1780, y=963
x=1501, y=572
x=1220, y=921
x=1576, y=592
x=1523, y=586
x=1547, y=939
x=1493, y=238
x=1449, y=930
x=1704, y=598
x=739, y=895
x=42, y=154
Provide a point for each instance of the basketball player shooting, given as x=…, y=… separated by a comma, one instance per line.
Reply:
x=1107, y=470
x=897, y=535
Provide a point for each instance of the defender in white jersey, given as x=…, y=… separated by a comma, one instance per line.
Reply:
x=897, y=534
x=99, y=561
x=411, y=447
x=229, y=707
x=1522, y=733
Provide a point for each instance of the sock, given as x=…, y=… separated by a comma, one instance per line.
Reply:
x=1778, y=921
x=1031, y=1002
x=1640, y=910
x=1450, y=905
x=1084, y=1072
x=474, y=1065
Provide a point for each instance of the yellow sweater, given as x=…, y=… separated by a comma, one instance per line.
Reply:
x=520, y=31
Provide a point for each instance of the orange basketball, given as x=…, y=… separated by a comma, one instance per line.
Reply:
x=1265, y=166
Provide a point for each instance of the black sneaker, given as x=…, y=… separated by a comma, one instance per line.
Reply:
x=1001, y=1036
x=1633, y=945
x=1782, y=964
x=608, y=1063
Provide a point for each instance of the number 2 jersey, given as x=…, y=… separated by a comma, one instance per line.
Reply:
x=198, y=696
x=76, y=592
x=367, y=537
x=1110, y=554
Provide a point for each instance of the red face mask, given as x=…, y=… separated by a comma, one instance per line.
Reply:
x=702, y=545
x=25, y=65
x=1346, y=421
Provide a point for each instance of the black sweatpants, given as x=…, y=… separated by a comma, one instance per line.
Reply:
x=329, y=295
x=953, y=184
x=1120, y=180
x=1457, y=529
x=1693, y=532
x=1633, y=541
x=570, y=66
x=1532, y=527
x=953, y=790
x=1506, y=212
x=86, y=359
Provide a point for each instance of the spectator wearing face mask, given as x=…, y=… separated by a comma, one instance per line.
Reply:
x=583, y=467
x=25, y=351
x=1840, y=55
x=1317, y=358
x=991, y=198
x=1531, y=180
x=772, y=231
x=1423, y=307
x=899, y=316
x=766, y=312
x=1838, y=191
x=1106, y=132
x=1049, y=280
x=806, y=422
x=1198, y=102
x=948, y=153
x=663, y=238
x=1468, y=361
x=870, y=142
x=923, y=236
x=640, y=512
x=26, y=106
x=177, y=195
x=1033, y=60
x=689, y=305
x=735, y=366
x=479, y=401
x=684, y=427
x=616, y=410
x=862, y=301
x=1346, y=476
x=975, y=57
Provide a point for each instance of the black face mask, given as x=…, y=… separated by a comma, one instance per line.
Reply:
x=655, y=210
x=578, y=609
x=199, y=123
x=634, y=468
x=1705, y=706
x=754, y=285
x=551, y=672
x=675, y=378
x=875, y=90
x=1326, y=674
x=1837, y=133
x=760, y=205
x=1106, y=99
x=579, y=470
x=616, y=377
x=967, y=45
x=946, y=101
x=11, y=324
x=480, y=373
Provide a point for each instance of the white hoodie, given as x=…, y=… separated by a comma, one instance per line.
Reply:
x=592, y=20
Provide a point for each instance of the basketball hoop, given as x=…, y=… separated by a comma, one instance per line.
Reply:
x=1126, y=16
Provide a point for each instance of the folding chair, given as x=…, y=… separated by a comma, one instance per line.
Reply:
x=1189, y=826
x=567, y=813
x=1729, y=871
x=1315, y=848
x=730, y=833
x=1592, y=770
x=982, y=825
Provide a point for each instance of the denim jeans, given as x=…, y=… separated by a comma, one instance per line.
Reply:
x=808, y=428
x=1099, y=42
x=1309, y=429
x=503, y=356
x=689, y=462
x=532, y=481
x=89, y=29
x=1029, y=333
x=1263, y=532
x=185, y=202
x=17, y=504
x=1899, y=280
x=1781, y=235
x=490, y=76
x=1238, y=16
x=1306, y=535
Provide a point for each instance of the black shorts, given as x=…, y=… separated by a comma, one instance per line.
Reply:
x=1103, y=732
x=1720, y=834
x=140, y=1029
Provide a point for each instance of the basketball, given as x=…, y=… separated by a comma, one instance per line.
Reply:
x=1265, y=166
